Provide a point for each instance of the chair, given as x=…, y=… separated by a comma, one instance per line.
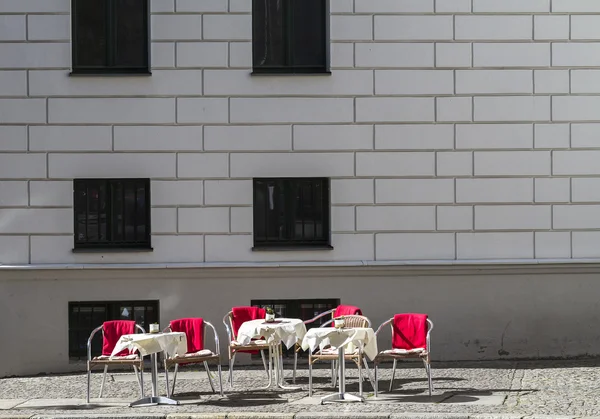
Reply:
x=329, y=354
x=410, y=339
x=232, y=321
x=111, y=333
x=195, y=331
x=335, y=312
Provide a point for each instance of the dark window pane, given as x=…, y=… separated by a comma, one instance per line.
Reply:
x=90, y=26
x=308, y=40
x=269, y=36
x=118, y=220
x=80, y=202
x=131, y=33
x=129, y=214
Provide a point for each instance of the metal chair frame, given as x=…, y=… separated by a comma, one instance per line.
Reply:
x=232, y=350
x=216, y=356
x=424, y=356
x=357, y=357
x=139, y=362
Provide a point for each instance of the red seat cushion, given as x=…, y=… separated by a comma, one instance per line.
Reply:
x=409, y=331
x=244, y=314
x=343, y=310
x=112, y=332
x=194, y=332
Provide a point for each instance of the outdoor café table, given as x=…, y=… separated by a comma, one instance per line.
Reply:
x=282, y=330
x=150, y=344
x=320, y=337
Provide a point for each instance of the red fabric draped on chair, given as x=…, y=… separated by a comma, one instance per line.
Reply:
x=343, y=310
x=409, y=331
x=112, y=332
x=194, y=332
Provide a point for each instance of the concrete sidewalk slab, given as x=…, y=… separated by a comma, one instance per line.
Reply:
x=476, y=399
x=10, y=403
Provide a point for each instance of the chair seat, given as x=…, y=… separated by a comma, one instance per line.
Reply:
x=403, y=353
x=199, y=354
x=133, y=359
x=258, y=342
x=192, y=358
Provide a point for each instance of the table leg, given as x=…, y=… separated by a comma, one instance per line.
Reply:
x=155, y=399
x=279, y=365
x=341, y=396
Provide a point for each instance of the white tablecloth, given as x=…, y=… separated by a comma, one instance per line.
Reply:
x=287, y=331
x=323, y=336
x=151, y=343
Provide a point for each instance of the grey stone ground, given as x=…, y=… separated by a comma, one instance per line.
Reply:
x=519, y=388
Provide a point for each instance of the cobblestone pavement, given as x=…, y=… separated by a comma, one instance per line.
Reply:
x=558, y=388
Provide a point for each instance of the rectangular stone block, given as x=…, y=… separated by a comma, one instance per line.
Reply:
x=348, y=27
x=494, y=136
x=512, y=108
x=414, y=191
x=386, y=54
x=70, y=138
x=51, y=193
x=36, y=220
x=395, y=164
x=14, y=250
x=456, y=163
x=202, y=54
x=32, y=55
x=292, y=164
x=393, y=6
x=547, y=27
x=48, y=27
x=176, y=27
x=552, y=190
x=414, y=137
x=125, y=165
x=394, y=109
x=248, y=138
x=333, y=137
x=585, y=189
x=14, y=194
x=164, y=220
x=352, y=191
x=552, y=81
x=494, y=190
x=512, y=163
x=511, y=6
x=576, y=162
x=202, y=110
x=228, y=192
x=575, y=54
x=227, y=27
x=552, y=245
x=342, y=219
x=495, y=245
x=576, y=217
x=291, y=110
x=455, y=218
x=552, y=135
x=177, y=192
x=415, y=28
x=203, y=220
x=111, y=110
x=586, y=244
x=202, y=165
x=513, y=217
x=13, y=138
x=414, y=82
x=511, y=55
x=585, y=27
x=13, y=83
x=35, y=6
x=395, y=218
x=494, y=81
x=158, y=138
x=490, y=27
x=25, y=166
x=22, y=111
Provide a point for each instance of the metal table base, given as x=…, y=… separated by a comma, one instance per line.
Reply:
x=342, y=396
x=275, y=363
x=155, y=399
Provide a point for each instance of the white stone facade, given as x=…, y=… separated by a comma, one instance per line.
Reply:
x=451, y=130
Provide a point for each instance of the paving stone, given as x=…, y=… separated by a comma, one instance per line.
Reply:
x=197, y=416
x=10, y=403
x=476, y=399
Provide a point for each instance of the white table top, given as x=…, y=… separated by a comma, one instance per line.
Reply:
x=329, y=336
x=149, y=343
x=287, y=331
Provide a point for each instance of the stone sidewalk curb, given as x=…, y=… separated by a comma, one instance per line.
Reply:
x=302, y=415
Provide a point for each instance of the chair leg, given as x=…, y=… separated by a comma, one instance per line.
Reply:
x=310, y=386
x=142, y=376
x=264, y=360
x=368, y=370
x=295, y=366
x=393, y=374
x=220, y=379
x=167, y=380
x=231, y=362
x=209, y=377
x=89, y=377
x=103, y=379
x=140, y=383
x=360, y=379
x=376, y=387
x=174, y=379
x=430, y=382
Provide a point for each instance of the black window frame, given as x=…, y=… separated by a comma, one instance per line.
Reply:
x=111, y=45
x=290, y=185
x=289, y=67
x=110, y=243
x=79, y=331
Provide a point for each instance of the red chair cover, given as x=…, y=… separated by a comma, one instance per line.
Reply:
x=244, y=314
x=409, y=331
x=113, y=330
x=194, y=332
x=342, y=310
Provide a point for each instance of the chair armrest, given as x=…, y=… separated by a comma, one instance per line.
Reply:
x=428, y=339
x=227, y=328
x=385, y=323
x=89, y=342
x=214, y=330
x=317, y=317
x=137, y=326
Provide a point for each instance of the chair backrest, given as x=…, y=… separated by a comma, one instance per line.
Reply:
x=239, y=315
x=353, y=320
x=194, y=332
x=410, y=331
x=343, y=310
x=112, y=332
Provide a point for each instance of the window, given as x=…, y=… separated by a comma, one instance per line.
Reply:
x=86, y=316
x=290, y=36
x=112, y=213
x=110, y=36
x=291, y=212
